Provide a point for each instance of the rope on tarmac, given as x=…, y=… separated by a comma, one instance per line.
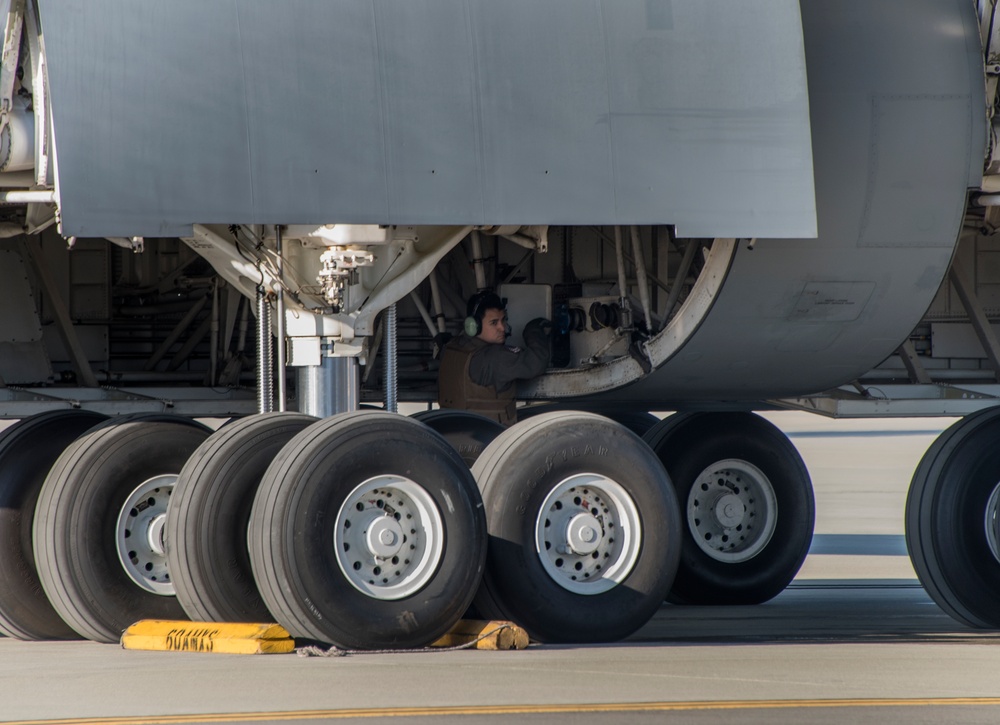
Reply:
x=335, y=651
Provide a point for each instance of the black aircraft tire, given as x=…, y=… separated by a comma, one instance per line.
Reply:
x=348, y=496
x=952, y=511
x=466, y=432
x=584, y=528
x=209, y=514
x=77, y=520
x=637, y=421
x=749, y=523
x=27, y=451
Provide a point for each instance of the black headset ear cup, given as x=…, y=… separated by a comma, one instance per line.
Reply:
x=472, y=326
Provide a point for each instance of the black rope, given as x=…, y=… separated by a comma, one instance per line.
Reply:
x=234, y=230
x=335, y=651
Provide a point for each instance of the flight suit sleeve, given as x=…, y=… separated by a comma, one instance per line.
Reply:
x=499, y=365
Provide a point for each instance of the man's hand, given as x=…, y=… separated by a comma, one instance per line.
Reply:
x=538, y=330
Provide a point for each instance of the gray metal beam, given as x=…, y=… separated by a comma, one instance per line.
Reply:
x=175, y=334
x=908, y=354
x=966, y=293
x=896, y=401
x=78, y=358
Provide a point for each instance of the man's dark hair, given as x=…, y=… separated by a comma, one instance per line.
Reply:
x=476, y=309
x=482, y=301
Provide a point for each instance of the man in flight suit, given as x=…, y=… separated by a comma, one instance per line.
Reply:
x=479, y=372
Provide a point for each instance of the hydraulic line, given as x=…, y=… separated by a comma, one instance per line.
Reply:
x=477, y=261
x=265, y=355
x=391, y=352
x=640, y=273
x=622, y=285
x=282, y=393
x=213, y=368
x=436, y=300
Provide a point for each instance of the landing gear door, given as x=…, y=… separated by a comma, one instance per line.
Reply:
x=686, y=112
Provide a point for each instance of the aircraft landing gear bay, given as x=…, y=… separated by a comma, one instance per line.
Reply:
x=748, y=506
x=953, y=520
x=584, y=528
x=367, y=532
x=209, y=514
x=98, y=530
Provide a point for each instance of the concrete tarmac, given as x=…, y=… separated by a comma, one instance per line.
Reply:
x=854, y=639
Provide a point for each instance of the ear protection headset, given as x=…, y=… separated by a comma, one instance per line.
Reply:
x=476, y=308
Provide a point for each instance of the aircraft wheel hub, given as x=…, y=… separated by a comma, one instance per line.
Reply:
x=588, y=534
x=992, y=522
x=389, y=537
x=732, y=511
x=139, y=535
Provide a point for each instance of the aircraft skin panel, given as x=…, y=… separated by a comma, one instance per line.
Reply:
x=143, y=125
x=895, y=89
x=899, y=125
x=451, y=112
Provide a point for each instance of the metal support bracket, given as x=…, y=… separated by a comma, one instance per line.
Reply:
x=9, y=60
x=896, y=401
x=908, y=354
x=988, y=339
x=420, y=259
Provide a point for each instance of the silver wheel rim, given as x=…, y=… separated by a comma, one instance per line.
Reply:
x=732, y=511
x=992, y=522
x=588, y=533
x=389, y=537
x=139, y=535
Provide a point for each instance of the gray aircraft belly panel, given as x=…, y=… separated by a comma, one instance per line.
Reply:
x=692, y=113
x=315, y=120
